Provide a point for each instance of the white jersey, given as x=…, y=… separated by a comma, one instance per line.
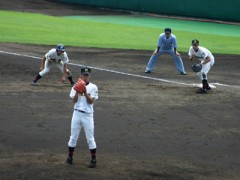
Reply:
x=167, y=43
x=52, y=56
x=201, y=54
x=82, y=103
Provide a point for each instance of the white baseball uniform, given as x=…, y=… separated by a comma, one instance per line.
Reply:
x=83, y=117
x=52, y=57
x=202, y=54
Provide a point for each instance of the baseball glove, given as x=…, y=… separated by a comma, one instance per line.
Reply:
x=80, y=86
x=197, y=67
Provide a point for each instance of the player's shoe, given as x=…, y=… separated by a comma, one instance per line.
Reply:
x=183, y=73
x=34, y=83
x=69, y=160
x=202, y=91
x=147, y=72
x=93, y=163
x=208, y=88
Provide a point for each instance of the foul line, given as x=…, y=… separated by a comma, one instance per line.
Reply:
x=122, y=73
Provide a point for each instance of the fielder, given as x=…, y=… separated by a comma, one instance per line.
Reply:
x=83, y=94
x=167, y=44
x=207, y=61
x=56, y=56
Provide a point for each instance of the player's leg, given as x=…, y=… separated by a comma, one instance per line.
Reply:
x=88, y=126
x=152, y=61
x=76, y=126
x=69, y=75
x=178, y=62
x=203, y=76
x=46, y=69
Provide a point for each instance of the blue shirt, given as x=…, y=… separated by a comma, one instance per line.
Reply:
x=165, y=43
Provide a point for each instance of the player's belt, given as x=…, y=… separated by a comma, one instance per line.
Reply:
x=80, y=111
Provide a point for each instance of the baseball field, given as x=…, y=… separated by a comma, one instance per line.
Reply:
x=146, y=126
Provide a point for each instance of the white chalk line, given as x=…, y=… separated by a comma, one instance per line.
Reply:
x=123, y=73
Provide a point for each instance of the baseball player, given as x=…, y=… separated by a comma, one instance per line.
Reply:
x=207, y=61
x=83, y=115
x=167, y=44
x=56, y=56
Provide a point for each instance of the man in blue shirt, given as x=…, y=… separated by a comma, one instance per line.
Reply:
x=167, y=44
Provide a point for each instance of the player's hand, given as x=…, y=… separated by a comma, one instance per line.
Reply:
x=63, y=79
x=177, y=54
x=155, y=52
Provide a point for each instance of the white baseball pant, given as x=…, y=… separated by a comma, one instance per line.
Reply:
x=86, y=121
x=47, y=67
x=205, y=69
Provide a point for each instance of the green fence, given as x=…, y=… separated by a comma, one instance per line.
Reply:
x=211, y=9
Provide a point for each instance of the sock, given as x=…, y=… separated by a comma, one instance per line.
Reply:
x=70, y=79
x=70, y=151
x=205, y=84
x=37, y=78
x=93, y=154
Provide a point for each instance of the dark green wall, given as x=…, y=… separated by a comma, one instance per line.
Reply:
x=211, y=9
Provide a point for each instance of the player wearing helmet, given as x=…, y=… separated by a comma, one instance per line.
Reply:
x=56, y=56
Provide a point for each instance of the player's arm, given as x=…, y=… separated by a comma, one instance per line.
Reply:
x=175, y=51
x=64, y=73
x=89, y=99
x=207, y=60
x=75, y=97
x=92, y=96
x=42, y=63
x=190, y=54
x=175, y=46
x=156, y=50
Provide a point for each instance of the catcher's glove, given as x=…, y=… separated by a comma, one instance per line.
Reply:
x=80, y=86
x=197, y=67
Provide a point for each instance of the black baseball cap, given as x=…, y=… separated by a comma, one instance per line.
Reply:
x=195, y=42
x=86, y=70
x=167, y=30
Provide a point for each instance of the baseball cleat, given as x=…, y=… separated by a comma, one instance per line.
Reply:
x=202, y=91
x=93, y=163
x=69, y=160
x=147, y=72
x=183, y=73
x=33, y=83
x=208, y=88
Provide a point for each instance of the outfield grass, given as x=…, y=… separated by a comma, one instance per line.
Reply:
x=114, y=32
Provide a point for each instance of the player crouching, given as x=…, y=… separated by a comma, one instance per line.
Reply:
x=202, y=69
x=56, y=56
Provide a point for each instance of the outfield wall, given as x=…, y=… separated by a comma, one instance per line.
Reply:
x=228, y=10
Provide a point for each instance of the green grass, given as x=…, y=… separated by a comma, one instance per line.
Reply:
x=114, y=32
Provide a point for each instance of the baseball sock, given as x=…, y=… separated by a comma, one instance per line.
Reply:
x=70, y=79
x=93, y=154
x=70, y=151
x=205, y=84
x=37, y=78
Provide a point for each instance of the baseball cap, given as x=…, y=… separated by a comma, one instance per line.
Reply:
x=85, y=70
x=195, y=42
x=60, y=47
x=167, y=30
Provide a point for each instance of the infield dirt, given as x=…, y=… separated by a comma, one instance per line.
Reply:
x=144, y=129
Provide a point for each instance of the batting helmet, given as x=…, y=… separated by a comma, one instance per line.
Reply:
x=60, y=47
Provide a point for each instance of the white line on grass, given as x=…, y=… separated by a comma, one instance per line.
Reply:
x=122, y=73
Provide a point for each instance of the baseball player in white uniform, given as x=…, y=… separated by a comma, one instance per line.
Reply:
x=207, y=61
x=56, y=56
x=83, y=117
x=167, y=44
